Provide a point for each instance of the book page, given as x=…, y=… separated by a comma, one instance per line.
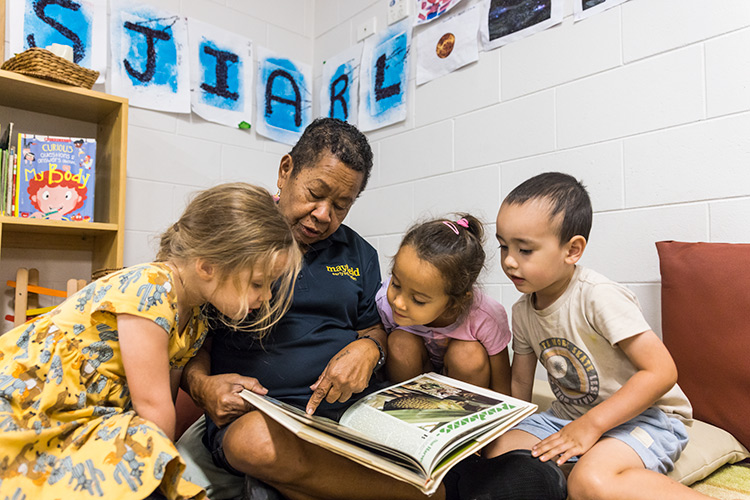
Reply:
x=389, y=425
x=424, y=415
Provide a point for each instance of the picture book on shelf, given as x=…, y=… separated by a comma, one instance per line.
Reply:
x=55, y=178
x=414, y=431
x=7, y=157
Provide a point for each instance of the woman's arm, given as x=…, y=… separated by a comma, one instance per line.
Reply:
x=218, y=395
x=144, y=346
x=349, y=371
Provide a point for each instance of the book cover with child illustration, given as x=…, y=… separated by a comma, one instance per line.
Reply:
x=55, y=178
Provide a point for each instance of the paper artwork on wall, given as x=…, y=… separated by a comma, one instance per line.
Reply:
x=283, y=97
x=587, y=8
x=448, y=45
x=80, y=24
x=339, y=89
x=429, y=10
x=384, y=78
x=221, y=74
x=148, y=57
x=506, y=21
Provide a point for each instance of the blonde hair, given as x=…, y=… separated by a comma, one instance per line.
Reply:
x=236, y=227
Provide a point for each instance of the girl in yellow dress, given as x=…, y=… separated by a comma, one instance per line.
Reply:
x=87, y=390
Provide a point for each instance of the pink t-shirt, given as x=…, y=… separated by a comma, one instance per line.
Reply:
x=486, y=322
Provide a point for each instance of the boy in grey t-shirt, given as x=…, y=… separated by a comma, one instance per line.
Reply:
x=619, y=414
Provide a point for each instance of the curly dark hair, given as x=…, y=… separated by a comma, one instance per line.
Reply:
x=456, y=251
x=337, y=137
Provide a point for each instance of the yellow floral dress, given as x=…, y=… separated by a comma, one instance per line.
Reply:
x=67, y=426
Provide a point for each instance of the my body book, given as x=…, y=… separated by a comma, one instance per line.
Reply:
x=414, y=431
x=56, y=178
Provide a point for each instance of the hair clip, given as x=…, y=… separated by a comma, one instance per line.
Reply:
x=463, y=222
x=451, y=225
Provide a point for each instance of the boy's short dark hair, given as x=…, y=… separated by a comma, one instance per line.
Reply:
x=565, y=194
x=342, y=139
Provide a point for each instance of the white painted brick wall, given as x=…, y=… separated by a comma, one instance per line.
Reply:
x=561, y=55
x=170, y=156
x=654, y=26
x=728, y=73
x=648, y=103
x=651, y=94
x=400, y=161
x=506, y=131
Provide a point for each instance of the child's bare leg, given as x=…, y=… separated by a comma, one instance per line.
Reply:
x=511, y=440
x=467, y=361
x=612, y=470
x=407, y=356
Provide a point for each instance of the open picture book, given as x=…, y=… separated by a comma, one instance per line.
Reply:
x=414, y=431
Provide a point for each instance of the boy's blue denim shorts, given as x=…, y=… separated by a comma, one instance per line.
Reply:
x=657, y=438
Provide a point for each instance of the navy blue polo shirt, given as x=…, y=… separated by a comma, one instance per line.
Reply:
x=333, y=298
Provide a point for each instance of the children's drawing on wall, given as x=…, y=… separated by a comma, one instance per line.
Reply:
x=148, y=57
x=448, y=45
x=339, y=90
x=429, y=10
x=587, y=8
x=505, y=21
x=284, y=97
x=80, y=24
x=221, y=74
x=384, y=78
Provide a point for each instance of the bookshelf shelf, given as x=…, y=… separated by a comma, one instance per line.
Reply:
x=31, y=101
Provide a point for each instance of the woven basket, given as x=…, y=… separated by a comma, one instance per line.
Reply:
x=41, y=63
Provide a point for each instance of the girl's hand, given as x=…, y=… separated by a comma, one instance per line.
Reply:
x=574, y=439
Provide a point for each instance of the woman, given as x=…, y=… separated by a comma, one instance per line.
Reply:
x=322, y=352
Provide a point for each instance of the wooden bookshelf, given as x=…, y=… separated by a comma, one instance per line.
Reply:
x=32, y=100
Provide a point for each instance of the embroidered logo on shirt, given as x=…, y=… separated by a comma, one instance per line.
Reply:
x=345, y=270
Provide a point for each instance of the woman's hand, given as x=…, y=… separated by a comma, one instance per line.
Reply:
x=348, y=372
x=220, y=396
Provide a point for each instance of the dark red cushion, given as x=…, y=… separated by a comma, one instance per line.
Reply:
x=705, y=302
x=187, y=413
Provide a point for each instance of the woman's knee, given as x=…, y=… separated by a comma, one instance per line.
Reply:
x=253, y=447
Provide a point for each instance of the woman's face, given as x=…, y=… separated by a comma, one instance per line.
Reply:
x=316, y=200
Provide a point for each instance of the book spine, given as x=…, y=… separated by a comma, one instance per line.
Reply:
x=17, y=177
x=3, y=180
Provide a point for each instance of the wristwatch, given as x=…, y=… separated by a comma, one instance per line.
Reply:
x=381, y=361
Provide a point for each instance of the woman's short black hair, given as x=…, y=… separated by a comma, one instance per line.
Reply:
x=337, y=137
